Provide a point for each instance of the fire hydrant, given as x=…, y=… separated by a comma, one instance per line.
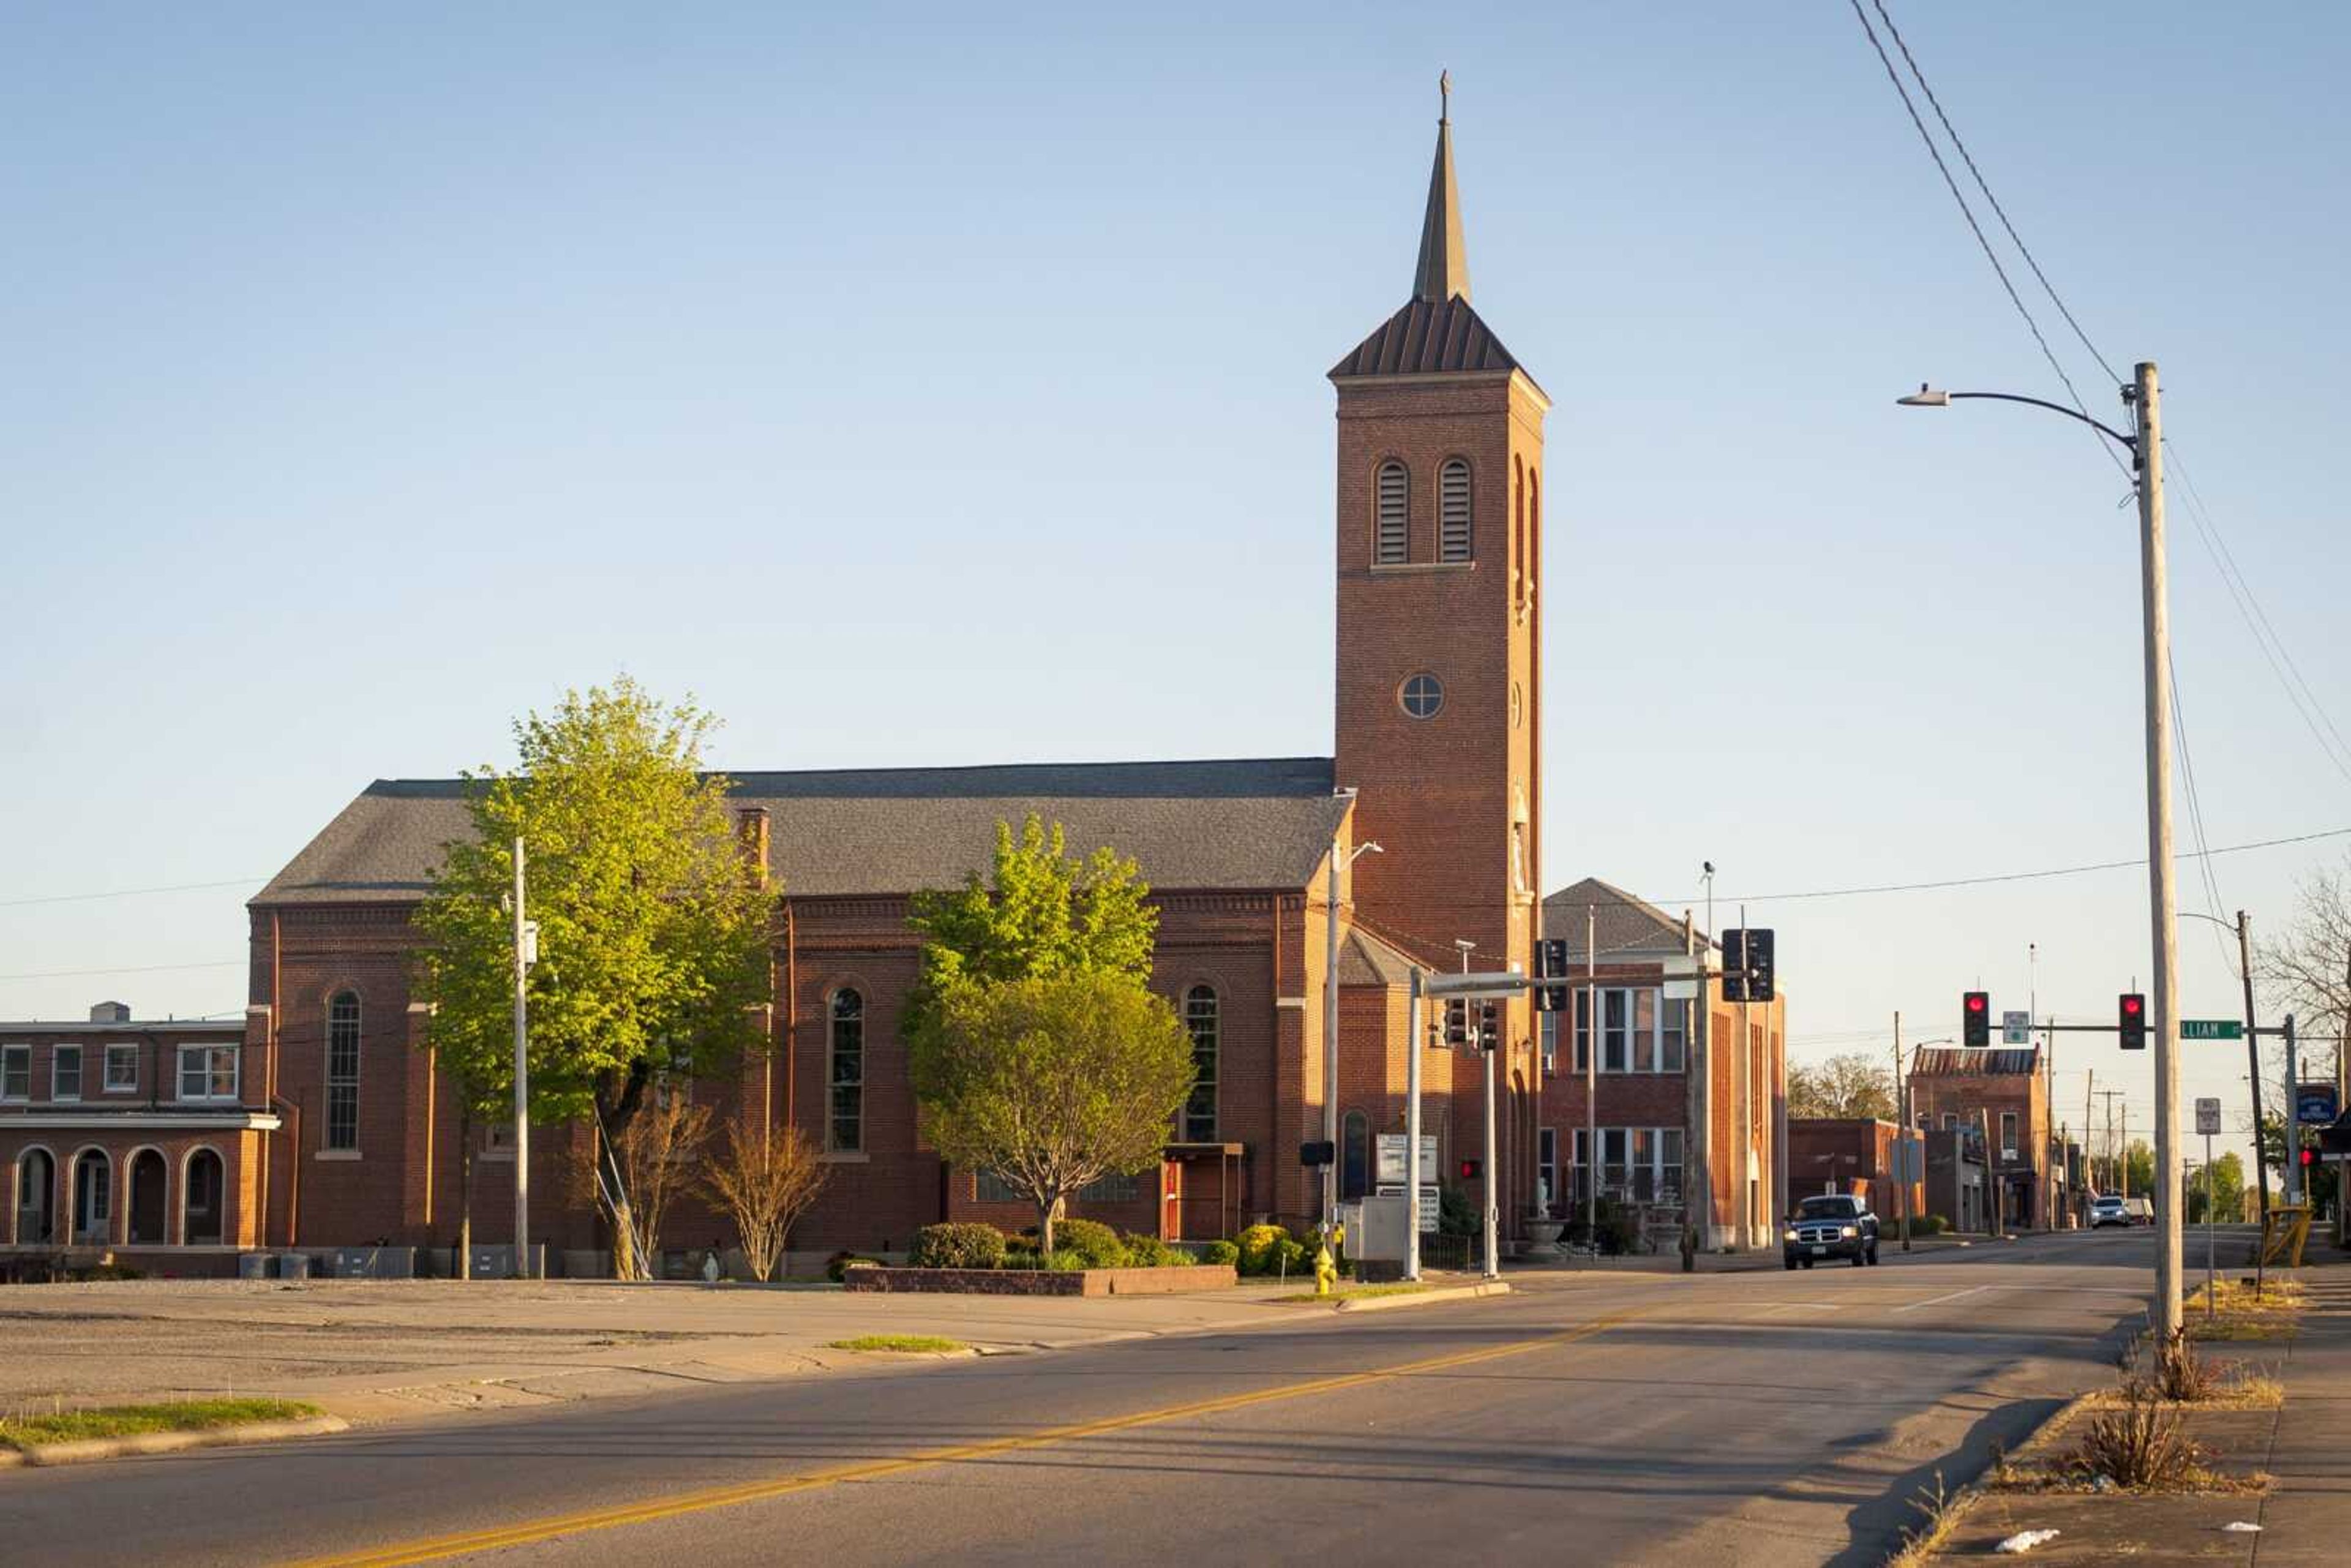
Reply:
x=1326, y=1266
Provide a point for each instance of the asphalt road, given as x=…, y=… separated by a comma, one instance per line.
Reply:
x=1766, y=1418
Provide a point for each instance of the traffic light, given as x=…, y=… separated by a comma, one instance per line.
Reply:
x=2131, y=1020
x=1758, y=965
x=1975, y=1017
x=1551, y=964
x=1456, y=1021
x=1320, y=1153
x=1471, y=1169
x=2309, y=1157
x=1734, y=966
x=1489, y=1025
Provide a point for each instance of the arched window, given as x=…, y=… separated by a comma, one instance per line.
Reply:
x=1453, y=510
x=1392, y=539
x=93, y=1187
x=845, y=1074
x=1200, y=1020
x=1519, y=533
x=1532, y=549
x=1355, y=1156
x=343, y=1071
x=36, y=1198
x=200, y=1200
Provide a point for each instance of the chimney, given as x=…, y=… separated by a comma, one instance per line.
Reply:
x=751, y=833
x=110, y=1012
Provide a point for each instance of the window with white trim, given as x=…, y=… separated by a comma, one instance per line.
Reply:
x=342, y=1130
x=1200, y=1022
x=1638, y=1164
x=208, y=1073
x=1452, y=534
x=1641, y=1031
x=1392, y=532
x=845, y=1074
x=1547, y=1162
x=16, y=1073
x=122, y=1069
x=65, y=1073
x=2008, y=1135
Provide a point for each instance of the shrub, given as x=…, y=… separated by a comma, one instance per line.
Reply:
x=841, y=1263
x=1090, y=1239
x=2139, y=1445
x=1150, y=1252
x=965, y=1245
x=1289, y=1259
x=1255, y=1246
x=2180, y=1375
x=1456, y=1214
x=1929, y=1225
x=1068, y=1260
x=1221, y=1253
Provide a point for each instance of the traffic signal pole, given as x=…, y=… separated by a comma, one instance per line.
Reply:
x=2253, y=1077
x=1901, y=1134
x=1414, y=1048
x=2162, y=909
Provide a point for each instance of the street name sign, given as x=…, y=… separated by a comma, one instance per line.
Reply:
x=2212, y=1029
x=2016, y=1028
x=2208, y=1116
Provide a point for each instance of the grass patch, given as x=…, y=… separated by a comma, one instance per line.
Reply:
x=2236, y=1314
x=1341, y=1293
x=28, y=1431
x=901, y=1343
x=1938, y=1515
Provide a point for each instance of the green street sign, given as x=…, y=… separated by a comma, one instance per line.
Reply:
x=2212, y=1029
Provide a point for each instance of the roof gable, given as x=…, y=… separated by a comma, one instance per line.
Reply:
x=1428, y=338
x=1623, y=923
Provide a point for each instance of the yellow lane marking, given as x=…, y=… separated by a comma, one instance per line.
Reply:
x=435, y=1548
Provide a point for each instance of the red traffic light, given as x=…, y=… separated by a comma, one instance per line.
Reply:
x=2310, y=1157
x=1978, y=1002
x=2134, y=1006
x=1469, y=1169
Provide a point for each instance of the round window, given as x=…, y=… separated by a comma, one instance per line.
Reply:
x=1421, y=695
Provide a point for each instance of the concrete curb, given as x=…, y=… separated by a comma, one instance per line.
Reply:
x=1421, y=1297
x=88, y=1450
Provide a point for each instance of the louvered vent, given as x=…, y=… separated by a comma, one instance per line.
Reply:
x=1453, y=510
x=1396, y=515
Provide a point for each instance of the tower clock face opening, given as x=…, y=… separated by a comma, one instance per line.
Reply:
x=1421, y=695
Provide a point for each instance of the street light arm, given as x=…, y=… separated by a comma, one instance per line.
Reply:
x=2126, y=442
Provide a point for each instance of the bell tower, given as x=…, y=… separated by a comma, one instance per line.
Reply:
x=1440, y=530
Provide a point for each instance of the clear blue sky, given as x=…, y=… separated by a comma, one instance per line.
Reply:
x=933, y=387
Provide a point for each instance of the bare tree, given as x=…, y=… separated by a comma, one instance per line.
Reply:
x=764, y=1183
x=1842, y=1088
x=2307, y=969
x=644, y=1169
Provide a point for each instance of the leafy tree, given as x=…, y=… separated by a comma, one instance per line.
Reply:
x=1842, y=1088
x=1039, y=914
x=2228, y=1190
x=1052, y=1082
x=653, y=932
x=2139, y=1161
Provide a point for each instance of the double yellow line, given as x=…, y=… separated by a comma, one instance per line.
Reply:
x=432, y=1549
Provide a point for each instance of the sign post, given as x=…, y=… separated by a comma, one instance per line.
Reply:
x=2208, y=1122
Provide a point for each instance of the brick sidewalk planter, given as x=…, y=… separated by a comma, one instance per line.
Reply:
x=1043, y=1281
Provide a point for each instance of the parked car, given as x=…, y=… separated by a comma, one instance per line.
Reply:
x=2108, y=1210
x=1830, y=1226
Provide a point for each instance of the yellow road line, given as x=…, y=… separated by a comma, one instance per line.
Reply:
x=435, y=1548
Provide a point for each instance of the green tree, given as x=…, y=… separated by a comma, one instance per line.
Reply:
x=654, y=934
x=2228, y=1190
x=2139, y=1162
x=1039, y=913
x=1052, y=1082
x=1842, y=1088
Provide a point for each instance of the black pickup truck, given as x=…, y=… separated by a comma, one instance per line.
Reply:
x=1830, y=1226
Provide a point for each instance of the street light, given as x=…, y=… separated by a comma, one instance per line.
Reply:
x=1331, y=1027
x=2145, y=447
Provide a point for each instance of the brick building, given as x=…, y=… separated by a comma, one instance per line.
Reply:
x=345, y=1135
x=1849, y=1154
x=1688, y=1125
x=2002, y=1093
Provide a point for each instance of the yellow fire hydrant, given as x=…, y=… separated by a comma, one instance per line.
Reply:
x=1326, y=1266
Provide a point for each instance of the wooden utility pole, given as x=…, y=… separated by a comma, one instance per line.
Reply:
x=1901, y=1133
x=2254, y=1069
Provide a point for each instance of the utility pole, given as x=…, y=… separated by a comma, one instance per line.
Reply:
x=1991, y=1176
x=2342, y=1101
x=2295, y=1192
x=1746, y=1077
x=521, y=1075
x=2254, y=1073
x=1901, y=1133
x=1414, y=1046
x=2162, y=911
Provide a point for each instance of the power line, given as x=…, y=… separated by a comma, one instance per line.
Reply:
x=130, y=969
x=1981, y=184
x=130, y=892
x=1976, y=229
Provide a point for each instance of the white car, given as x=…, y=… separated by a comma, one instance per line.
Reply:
x=2105, y=1211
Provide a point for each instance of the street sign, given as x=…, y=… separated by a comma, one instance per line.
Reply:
x=2016, y=1028
x=2212, y=1029
x=2313, y=1104
x=1427, y=1204
x=1389, y=1171
x=1909, y=1159
x=2208, y=1116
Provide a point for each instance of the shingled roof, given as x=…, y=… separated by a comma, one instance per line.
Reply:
x=1627, y=926
x=1979, y=1061
x=1255, y=823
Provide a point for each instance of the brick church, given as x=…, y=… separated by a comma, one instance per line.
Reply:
x=321, y=1122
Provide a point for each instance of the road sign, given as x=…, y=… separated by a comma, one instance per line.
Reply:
x=1427, y=1204
x=2212, y=1029
x=1909, y=1159
x=2016, y=1028
x=2313, y=1104
x=1389, y=1168
x=2208, y=1116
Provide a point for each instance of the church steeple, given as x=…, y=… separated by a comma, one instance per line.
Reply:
x=1443, y=270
